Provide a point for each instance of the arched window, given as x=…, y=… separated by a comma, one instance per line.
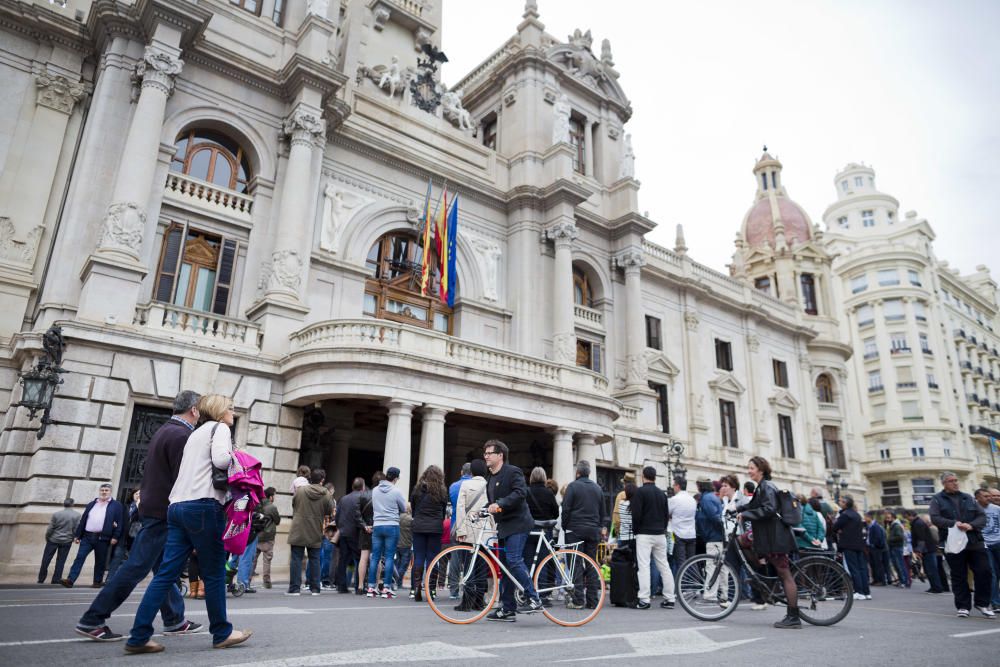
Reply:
x=213, y=157
x=393, y=290
x=824, y=389
x=582, y=294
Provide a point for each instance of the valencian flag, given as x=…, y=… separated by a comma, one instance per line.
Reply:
x=449, y=269
x=425, y=264
x=441, y=240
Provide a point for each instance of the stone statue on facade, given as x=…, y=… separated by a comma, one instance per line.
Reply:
x=489, y=257
x=14, y=251
x=564, y=347
x=123, y=228
x=452, y=109
x=560, y=123
x=392, y=77
x=627, y=167
x=338, y=207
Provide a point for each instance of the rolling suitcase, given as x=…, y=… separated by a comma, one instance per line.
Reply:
x=624, y=578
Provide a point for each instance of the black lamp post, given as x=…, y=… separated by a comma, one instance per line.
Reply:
x=40, y=382
x=835, y=485
x=672, y=454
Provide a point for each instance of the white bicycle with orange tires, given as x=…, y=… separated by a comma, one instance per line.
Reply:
x=462, y=582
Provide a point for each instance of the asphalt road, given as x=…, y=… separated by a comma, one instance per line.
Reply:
x=897, y=627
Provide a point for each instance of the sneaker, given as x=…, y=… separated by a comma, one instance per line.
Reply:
x=501, y=615
x=962, y=613
x=249, y=589
x=411, y=593
x=267, y=584
x=148, y=647
x=328, y=587
x=370, y=592
x=313, y=592
x=985, y=611
x=573, y=605
x=547, y=602
x=387, y=594
x=667, y=604
x=642, y=605
x=859, y=596
x=101, y=634
x=868, y=597
x=763, y=606
x=293, y=593
x=186, y=628
x=531, y=606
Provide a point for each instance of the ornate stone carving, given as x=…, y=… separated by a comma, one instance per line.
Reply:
x=638, y=369
x=753, y=342
x=564, y=348
x=614, y=132
x=581, y=40
x=339, y=206
x=631, y=259
x=489, y=255
x=381, y=15
x=392, y=77
x=425, y=90
x=123, y=228
x=560, y=121
x=286, y=271
x=606, y=56
x=626, y=169
x=530, y=10
x=452, y=110
x=18, y=252
x=304, y=126
x=509, y=98
x=697, y=408
x=57, y=92
x=562, y=232
x=420, y=37
x=691, y=320
x=157, y=69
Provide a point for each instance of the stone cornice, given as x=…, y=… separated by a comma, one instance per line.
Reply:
x=42, y=24
x=300, y=72
x=234, y=66
x=190, y=18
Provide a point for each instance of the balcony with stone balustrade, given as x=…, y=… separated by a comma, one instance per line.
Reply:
x=187, y=192
x=199, y=328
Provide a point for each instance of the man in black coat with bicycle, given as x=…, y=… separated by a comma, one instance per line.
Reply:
x=584, y=518
x=506, y=492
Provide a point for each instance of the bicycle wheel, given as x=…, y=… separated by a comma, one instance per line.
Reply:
x=708, y=588
x=576, y=593
x=473, y=579
x=825, y=591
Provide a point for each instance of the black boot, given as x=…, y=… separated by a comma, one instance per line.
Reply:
x=791, y=621
x=417, y=584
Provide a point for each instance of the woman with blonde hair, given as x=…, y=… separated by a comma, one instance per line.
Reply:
x=196, y=520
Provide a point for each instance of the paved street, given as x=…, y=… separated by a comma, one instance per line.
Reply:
x=898, y=627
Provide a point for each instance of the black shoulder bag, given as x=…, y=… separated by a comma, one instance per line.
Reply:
x=220, y=476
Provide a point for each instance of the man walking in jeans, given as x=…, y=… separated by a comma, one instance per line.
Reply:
x=506, y=493
x=163, y=460
x=649, y=523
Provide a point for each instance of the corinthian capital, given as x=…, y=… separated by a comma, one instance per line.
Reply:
x=304, y=125
x=158, y=69
x=633, y=258
x=562, y=232
x=57, y=92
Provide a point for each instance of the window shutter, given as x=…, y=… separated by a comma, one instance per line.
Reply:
x=168, y=264
x=224, y=276
x=595, y=357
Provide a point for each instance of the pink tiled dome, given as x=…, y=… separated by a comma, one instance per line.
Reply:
x=758, y=225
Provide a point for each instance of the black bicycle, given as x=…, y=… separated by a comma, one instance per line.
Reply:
x=709, y=586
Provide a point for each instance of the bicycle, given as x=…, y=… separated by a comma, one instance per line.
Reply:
x=479, y=575
x=709, y=589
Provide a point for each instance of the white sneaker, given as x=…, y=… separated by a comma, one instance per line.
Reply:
x=859, y=596
x=868, y=597
x=962, y=613
x=986, y=611
x=759, y=607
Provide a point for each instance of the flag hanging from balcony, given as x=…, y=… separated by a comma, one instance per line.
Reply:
x=441, y=240
x=449, y=266
x=995, y=445
x=425, y=264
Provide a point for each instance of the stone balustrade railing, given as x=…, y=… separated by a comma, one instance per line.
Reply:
x=415, y=7
x=588, y=315
x=199, y=327
x=189, y=191
x=629, y=414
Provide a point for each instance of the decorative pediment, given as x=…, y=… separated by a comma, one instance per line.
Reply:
x=727, y=384
x=578, y=60
x=782, y=398
x=810, y=250
x=657, y=363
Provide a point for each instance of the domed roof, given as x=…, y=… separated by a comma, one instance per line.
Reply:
x=758, y=225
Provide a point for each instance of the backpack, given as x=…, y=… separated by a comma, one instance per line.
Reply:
x=789, y=509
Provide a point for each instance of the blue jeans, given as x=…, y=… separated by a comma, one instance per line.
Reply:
x=295, y=569
x=512, y=556
x=384, y=539
x=191, y=525
x=993, y=551
x=403, y=558
x=425, y=547
x=325, y=559
x=146, y=555
x=932, y=572
x=902, y=573
x=858, y=568
x=100, y=547
x=245, y=566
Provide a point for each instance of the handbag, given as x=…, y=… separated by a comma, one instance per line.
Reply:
x=220, y=476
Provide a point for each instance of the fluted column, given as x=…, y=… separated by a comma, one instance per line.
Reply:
x=432, y=437
x=564, y=331
x=587, y=449
x=306, y=130
x=632, y=261
x=562, y=456
x=397, y=441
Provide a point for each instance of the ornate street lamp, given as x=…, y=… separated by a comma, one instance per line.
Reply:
x=834, y=484
x=672, y=454
x=40, y=382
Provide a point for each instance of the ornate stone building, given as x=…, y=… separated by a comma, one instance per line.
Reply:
x=225, y=196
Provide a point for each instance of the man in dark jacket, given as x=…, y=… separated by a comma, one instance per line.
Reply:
x=850, y=531
x=585, y=518
x=58, y=540
x=925, y=545
x=348, y=510
x=506, y=493
x=878, y=550
x=953, y=510
x=99, y=529
x=309, y=505
x=649, y=525
x=163, y=460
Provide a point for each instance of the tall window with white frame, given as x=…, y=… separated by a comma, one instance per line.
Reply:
x=787, y=439
x=723, y=354
x=653, y=333
x=197, y=269
x=662, y=406
x=809, y=302
x=868, y=218
x=780, y=370
x=727, y=416
x=578, y=141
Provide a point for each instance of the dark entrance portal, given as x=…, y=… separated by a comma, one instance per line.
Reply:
x=145, y=422
x=362, y=463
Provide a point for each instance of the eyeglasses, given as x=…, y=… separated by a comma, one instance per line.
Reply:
x=488, y=453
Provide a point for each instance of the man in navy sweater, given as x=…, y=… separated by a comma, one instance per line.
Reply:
x=163, y=460
x=99, y=528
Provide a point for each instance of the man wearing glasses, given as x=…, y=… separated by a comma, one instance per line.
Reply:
x=506, y=493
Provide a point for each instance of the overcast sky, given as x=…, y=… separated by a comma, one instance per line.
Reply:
x=910, y=87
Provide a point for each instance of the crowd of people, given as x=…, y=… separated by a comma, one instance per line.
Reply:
x=376, y=543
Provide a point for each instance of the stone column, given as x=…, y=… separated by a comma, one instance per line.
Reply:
x=116, y=266
x=563, y=329
x=432, y=437
x=632, y=261
x=587, y=449
x=562, y=456
x=397, y=441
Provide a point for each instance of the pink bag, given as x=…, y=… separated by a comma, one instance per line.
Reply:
x=246, y=488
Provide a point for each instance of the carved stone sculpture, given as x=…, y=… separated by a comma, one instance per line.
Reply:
x=564, y=348
x=489, y=255
x=562, y=232
x=14, y=251
x=452, y=109
x=637, y=369
x=157, y=69
x=381, y=15
x=286, y=271
x=691, y=320
x=560, y=122
x=57, y=92
x=392, y=77
x=338, y=208
x=305, y=126
x=580, y=39
x=627, y=167
x=606, y=57
x=123, y=229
